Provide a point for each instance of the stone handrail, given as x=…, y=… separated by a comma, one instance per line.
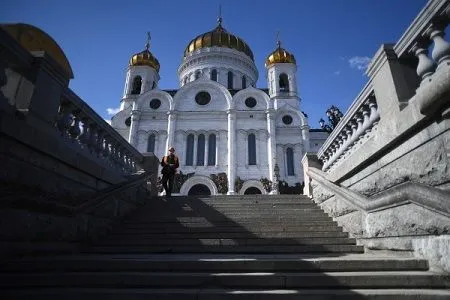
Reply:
x=357, y=123
x=425, y=196
x=81, y=125
x=57, y=207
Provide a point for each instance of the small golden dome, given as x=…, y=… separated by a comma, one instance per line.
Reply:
x=218, y=37
x=278, y=56
x=145, y=58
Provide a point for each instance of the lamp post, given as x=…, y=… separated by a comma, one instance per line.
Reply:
x=334, y=116
x=324, y=126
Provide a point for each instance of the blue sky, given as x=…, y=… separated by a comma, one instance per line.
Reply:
x=332, y=40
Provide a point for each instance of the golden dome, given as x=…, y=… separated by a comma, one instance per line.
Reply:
x=145, y=58
x=280, y=55
x=218, y=37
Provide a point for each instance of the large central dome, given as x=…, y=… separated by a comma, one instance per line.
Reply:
x=218, y=37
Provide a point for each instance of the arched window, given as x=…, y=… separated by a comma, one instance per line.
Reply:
x=212, y=150
x=151, y=143
x=230, y=80
x=137, y=83
x=185, y=80
x=244, y=82
x=284, y=83
x=251, y=149
x=290, y=161
x=214, y=75
x=190, y=150
x=153, y=85
x=197, y=75
x=201, y=150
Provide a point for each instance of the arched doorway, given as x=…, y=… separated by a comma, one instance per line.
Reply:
x=252, y=191
x=199, y=189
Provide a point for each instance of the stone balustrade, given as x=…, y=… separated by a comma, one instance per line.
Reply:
x=83, y=128
x=427, y=32
x=356, y=126
x=393, y=82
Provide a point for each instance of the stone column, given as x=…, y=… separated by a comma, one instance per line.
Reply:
x=231, y=150
x=171, y=125
x=270, y=114
x=206, y=149
x=135, y=117
x=223, y=149
x=217, y=148
x=194, y=162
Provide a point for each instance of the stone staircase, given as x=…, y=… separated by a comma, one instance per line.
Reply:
x=224, y=247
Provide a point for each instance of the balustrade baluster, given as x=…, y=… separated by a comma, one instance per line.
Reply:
x=75, y=130
x=84, y=137
x=106, y=148
x=365, y=111
x=92, y=141
x=99, y=142
x=441, y=50
x=64, y=118
x=426, y=65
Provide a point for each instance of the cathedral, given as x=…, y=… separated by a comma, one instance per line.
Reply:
x=231, y=137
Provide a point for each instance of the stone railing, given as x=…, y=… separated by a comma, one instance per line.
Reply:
x=85, y=129
x=354, y=129
x=405, y=84
x=428, y=31
x=384, y=172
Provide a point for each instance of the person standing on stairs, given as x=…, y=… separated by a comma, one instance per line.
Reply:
x=170, y=164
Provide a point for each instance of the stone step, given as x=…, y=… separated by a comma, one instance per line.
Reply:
x=179, y=228
x=278, y=280
x=221, y=294
x=133, y=241
x=237, y=219
x=256, y=212
x=216, y=263
x=244, y=222
x=225, y=235
x=226, y=249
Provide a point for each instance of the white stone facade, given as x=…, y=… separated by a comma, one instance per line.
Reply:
x=274, y=127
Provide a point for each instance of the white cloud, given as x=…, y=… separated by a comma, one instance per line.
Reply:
x=108, y=121
x=337, y=73
x=112, y=111
x=359, y=62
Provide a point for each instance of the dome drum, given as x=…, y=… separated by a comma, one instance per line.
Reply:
x=218, y=37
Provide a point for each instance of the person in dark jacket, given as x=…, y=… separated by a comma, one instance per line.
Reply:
x=170, y=164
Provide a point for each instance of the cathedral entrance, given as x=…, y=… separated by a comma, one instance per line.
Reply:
x=252, y=191
x=199, y=189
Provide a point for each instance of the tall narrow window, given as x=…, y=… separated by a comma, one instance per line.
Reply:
x=190, y=150
x=284, y=83
x=137, y=82
x=290, y=161
x=212, y=150
x=214, y=75
x=251, y=149
x=230, y=80
x=151, y=143
x=201, y=150
x=197, y=75
x=244, y=82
